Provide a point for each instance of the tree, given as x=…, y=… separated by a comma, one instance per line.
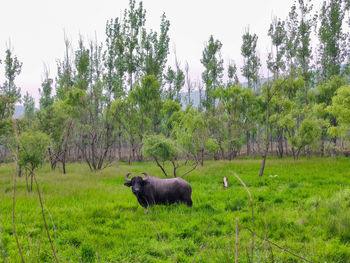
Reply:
x=340, y=108
x=237, y=102
x=213, y=73
x=232, y=74
x=175, y=80
x=251, y=61
x=131, y=122
x=146, y=95
x=332, y=48
x=65, y=74
x=133, y=31
x=291, y=40
x=308, y=132
x=326, y=91
x=55, y=122
x=114, y=58
x=276, y=63
x=191, y=131
x=32, y=150
x=304, y=48
x=277, y=32
x=155, y=50
x=269, y=91
x=46, y=99
x=190, y=87
x=13, y=68
x=28, y=103
x=161, y=150
x=169, y=114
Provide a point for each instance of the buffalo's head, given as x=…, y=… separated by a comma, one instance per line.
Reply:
x=137, y=183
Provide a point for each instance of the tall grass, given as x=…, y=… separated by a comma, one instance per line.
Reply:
x=306, y=208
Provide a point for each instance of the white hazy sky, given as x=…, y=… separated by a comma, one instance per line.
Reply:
x=36, y=29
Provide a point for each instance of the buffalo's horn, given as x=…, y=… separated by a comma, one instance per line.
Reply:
x=127, y=177
x=146, y=175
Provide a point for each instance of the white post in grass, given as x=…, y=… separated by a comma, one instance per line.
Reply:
x=225, y=182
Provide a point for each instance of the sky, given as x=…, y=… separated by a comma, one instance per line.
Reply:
x=35, y=30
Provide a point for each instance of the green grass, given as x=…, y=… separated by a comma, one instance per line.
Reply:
x=306, y=209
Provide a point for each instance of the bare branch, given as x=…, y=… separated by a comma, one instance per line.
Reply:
x=200, y=249
x=75, y=253
x=160, y=237
x=276, y=245
x=14, y=177
x=43, y=214
x=236, y=245
x=253, y=221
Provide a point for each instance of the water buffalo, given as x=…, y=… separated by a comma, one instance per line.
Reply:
x=150, y=190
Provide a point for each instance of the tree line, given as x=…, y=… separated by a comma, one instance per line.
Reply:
x=119, y=99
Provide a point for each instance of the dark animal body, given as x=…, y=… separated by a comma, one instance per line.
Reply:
x=151, y=190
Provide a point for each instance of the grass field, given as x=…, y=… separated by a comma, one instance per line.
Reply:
x=305, y=209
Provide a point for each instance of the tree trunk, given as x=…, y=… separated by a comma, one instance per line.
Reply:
x=119, y=147
x=280, y=143
x=31, y=181
x=286, y=146
x=267, y=134
x=202, y=157
x=161, y=167
x=262, y=166
x=248, y=143
x=27, y=182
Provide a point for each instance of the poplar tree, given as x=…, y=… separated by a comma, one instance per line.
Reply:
x=251, y=61
x=232, y=74
x=133, y=30
x=13, y=68
x=114, y=58
x=65, y=74
x=175, y=80
x=155, y=50
x=46, y=99
x=304, y=49
x=332, y=49
x=28, y=103
x=277, y=33
x=213, y=73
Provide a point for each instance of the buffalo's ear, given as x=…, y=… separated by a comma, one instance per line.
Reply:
x=128, y=184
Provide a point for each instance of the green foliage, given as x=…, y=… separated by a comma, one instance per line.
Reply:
x=175, y=80
x=28, y=103
x=45, y=94
x=308, y=132
x=277, y=34
x=340, y=108
x=333, y=48
x=212, y=76
x=192, y=133
x=252, y=63
x=159, y=148
x=146, y=96
x=32, y=148
x=13, y=68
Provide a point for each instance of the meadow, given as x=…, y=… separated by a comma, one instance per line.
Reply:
x=93, y=217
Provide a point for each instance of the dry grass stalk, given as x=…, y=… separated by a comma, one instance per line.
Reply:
x=14, y=125
x=253, y=220
x=280, y=247
x=43, y=214
x=160, y=237
x=236, y=246
x=75, y=253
